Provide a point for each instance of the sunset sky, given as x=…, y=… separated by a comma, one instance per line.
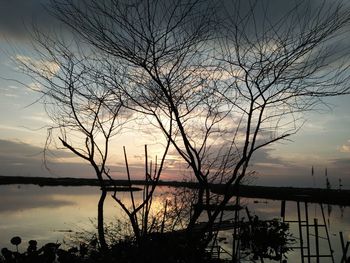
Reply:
x=323, y=141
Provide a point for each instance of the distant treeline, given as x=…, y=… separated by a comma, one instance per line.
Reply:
x=312, y=195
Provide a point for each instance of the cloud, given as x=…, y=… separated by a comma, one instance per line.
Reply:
x=34, y=86
x=345, y=148
x=17, y=16
x=10, y=95
x=10, y=148
x=15, y=128
x=340, y=167
x=23, y=159
x=25, y=150
x=47, y=69
x=10, y=91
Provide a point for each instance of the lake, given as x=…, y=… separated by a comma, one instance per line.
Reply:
x=49, y=214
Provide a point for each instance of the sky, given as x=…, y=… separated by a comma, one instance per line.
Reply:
x=323, y=142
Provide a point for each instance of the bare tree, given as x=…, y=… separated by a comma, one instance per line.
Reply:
x=163, y=47
x=85, y=114
x=219, y=83
x=277, y=67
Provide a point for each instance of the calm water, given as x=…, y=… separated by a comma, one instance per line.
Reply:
x=48, y=213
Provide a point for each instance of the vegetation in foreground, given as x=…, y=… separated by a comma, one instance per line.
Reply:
x=260, y=239
x=170, y=247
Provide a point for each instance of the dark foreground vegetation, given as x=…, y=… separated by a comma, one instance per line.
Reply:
x=261, y=239
x=171, y=247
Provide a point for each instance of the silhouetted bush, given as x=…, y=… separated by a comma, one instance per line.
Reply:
x=269, y=239
x=168, y=247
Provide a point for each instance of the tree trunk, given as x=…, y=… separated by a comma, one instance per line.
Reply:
x=100, y=223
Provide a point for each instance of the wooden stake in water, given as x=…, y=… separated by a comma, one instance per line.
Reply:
x=307, y=232
x=283, y=209
x=300, y=234
x=316, y=241
x=327, y=233
x=343, y=247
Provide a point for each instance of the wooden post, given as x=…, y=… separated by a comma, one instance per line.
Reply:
x=343, y=247
x=283, y=209
x=234, y=249
x=248, y=214
x=307, y=232
x=327, y=233
x=300, y=234
x=316, y=241
x=341, y=240
x=345, y=252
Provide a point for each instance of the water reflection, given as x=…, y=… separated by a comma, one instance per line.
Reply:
x=18, y=198
x=34, y=212
x=47, y=213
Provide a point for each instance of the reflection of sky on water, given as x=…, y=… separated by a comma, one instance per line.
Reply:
x=34, y=212
x=18, y=198
x=42, y=213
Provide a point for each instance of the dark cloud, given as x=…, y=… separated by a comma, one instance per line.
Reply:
x=22, y=159
x=277, y=171
x=15, y=148
x=340, y=169
x=17, y=17
x=267, y=169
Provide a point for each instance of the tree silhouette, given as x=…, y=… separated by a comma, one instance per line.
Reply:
x=220, y=80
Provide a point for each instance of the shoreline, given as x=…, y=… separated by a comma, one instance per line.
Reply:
x=310, y=195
